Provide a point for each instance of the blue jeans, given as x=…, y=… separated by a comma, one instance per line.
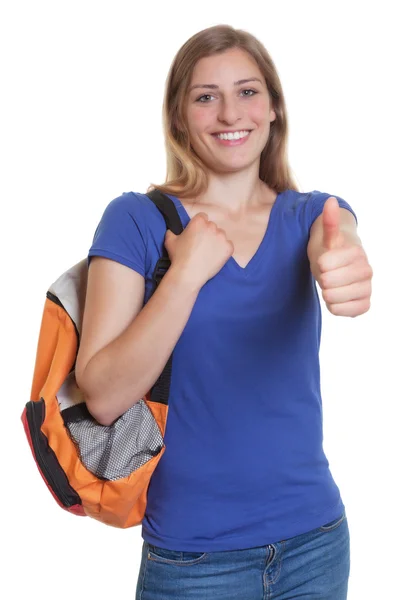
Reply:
x=311, y=566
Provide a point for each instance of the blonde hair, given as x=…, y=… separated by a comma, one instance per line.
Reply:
x=186, y=174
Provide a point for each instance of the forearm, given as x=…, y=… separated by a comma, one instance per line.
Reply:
x=123, y=371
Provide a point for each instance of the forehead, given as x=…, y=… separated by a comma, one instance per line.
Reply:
x=226, y=67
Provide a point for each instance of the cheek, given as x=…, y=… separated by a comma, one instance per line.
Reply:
x=259, y=111
x=198, y=119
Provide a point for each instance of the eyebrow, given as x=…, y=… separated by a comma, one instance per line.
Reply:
x=212, y=86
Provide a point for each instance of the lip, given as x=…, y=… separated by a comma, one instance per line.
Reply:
x=230, y=131
x=238, y=142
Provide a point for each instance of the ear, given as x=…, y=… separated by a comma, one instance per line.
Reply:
x=272, y=115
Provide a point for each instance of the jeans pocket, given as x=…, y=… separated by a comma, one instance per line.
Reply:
x=333, y=524
x=174, y=557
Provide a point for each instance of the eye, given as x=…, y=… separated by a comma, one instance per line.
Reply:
x=204, y=98
x=248, y=93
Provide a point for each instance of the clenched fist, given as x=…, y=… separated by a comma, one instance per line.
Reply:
x=200, y=251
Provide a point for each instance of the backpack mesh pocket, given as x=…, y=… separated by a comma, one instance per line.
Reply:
x=114, y=451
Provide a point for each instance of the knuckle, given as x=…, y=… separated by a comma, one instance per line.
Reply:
x=321, y=263
x=327, y=296
x=200, y=218
x=324, y=281
x=222, y=233
x=361, y=308
x=359, y=252
x=334, y=309
x=366, y=305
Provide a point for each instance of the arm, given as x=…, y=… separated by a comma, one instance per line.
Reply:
x=125, y=347
x=338, y=261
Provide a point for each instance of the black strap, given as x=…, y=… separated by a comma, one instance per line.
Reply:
x=173, y=222
x=168, y=209
x=160, y=390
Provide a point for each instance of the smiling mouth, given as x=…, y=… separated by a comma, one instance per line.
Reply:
x=237, y=135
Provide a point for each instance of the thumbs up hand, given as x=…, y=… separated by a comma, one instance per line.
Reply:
x=343, y=271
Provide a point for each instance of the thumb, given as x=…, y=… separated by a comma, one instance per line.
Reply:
x=332, y=236
x=169, y=237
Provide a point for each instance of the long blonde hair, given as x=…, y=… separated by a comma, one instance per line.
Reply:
x=186, y=174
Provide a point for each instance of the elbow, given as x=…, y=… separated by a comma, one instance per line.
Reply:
x=106, y=412
x=102, y=410
x=107, y=407
x=98, y=411
x=94, y=405
x=102, y=419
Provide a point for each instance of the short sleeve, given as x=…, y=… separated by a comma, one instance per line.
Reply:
x=121, y=233
x=315, y=205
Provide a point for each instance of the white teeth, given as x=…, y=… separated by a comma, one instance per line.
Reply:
x=233, y=136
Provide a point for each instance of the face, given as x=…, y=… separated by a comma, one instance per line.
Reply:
x=228, y=111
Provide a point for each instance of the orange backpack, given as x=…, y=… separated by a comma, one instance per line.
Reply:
x=92, y=469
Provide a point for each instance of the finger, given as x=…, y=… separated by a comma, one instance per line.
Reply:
x=169, y=235
x=350, y=309
x=356, y=271
x=201, y=215
x=347, y=293
x=340, y=257
x=332, y=237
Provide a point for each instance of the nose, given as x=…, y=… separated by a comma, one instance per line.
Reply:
x=229, y=111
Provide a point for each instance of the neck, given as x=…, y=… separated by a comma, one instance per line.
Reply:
x=236, y=192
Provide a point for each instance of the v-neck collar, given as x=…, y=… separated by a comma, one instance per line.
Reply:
x=231, y=262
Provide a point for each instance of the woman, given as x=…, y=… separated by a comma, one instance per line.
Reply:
x=242, y=504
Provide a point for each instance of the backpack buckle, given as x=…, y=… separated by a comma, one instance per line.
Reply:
x=161, y=268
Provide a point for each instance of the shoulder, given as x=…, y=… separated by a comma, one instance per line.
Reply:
x=135, y=204
x=307, y=206
x=132, y=210
x=127, y=231
x=298, y=200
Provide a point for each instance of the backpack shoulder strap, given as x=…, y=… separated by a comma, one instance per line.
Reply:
x=173, y=222
x=160, y=390
x=168, y=210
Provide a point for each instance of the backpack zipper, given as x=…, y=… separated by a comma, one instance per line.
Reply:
x=45, y=456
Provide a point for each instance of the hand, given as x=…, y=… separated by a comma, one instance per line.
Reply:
x=345, y=274
x=200, y=251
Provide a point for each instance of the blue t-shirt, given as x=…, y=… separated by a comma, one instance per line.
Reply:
x=244, y=464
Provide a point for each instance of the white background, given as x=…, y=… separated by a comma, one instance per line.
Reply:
x=82, y=85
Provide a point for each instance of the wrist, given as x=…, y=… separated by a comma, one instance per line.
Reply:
x=182, y=281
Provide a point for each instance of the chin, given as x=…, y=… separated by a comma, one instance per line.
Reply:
x=233, y=166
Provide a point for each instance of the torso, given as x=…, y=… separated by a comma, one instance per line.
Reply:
x=246, y=230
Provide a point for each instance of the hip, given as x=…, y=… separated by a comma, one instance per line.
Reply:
x=314, y=564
